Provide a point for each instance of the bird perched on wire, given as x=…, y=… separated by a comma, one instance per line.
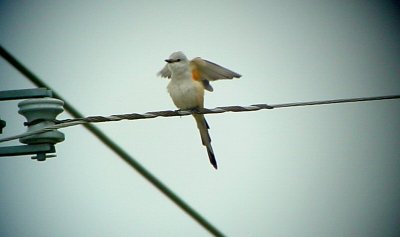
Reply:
x=189, y=79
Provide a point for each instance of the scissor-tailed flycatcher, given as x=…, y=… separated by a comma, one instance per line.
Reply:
x=189, y=78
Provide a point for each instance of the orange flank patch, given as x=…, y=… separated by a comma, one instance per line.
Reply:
x=196, y=75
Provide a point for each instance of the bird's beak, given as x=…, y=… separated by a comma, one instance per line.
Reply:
x=172, y=60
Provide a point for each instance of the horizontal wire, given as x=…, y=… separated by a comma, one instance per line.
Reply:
x=171, y=113
x=337, y=101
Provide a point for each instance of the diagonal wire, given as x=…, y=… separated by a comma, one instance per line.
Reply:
x=114, y=147
x=169, y=113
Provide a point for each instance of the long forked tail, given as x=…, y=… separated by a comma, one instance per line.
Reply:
x=205, y=137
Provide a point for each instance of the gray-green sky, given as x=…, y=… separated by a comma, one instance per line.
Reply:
x=312, y=171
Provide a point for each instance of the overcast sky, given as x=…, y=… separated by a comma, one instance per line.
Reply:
x=313, y=171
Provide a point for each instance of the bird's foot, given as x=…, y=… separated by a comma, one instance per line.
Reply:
x=194, y=110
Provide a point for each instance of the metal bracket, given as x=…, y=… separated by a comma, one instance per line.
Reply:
x=39, y=149
x=25, y=94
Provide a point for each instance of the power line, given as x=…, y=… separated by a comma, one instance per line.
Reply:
x=336, y=101
x=255, y=107
x=116, y=148
x=171, y=113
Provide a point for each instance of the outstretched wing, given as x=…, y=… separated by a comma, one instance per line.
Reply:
x=211, y=71
x=207, y=71
x=165, y=72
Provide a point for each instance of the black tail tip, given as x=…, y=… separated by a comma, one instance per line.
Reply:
x=213, y=161
x=214, y=164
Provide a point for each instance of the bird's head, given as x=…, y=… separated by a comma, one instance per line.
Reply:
x=177, y=61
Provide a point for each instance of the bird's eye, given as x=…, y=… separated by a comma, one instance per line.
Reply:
x=178, y=60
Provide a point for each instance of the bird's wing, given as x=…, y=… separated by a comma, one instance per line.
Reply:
x=211, y=71
x=165, y=72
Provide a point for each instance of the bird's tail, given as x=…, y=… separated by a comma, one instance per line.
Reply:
x=205, y=137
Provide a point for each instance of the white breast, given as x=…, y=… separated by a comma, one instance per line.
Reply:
x=185, y=92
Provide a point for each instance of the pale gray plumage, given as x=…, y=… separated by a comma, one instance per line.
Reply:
x=189, y=79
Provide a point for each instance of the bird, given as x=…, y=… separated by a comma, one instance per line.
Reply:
x=189, y=80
